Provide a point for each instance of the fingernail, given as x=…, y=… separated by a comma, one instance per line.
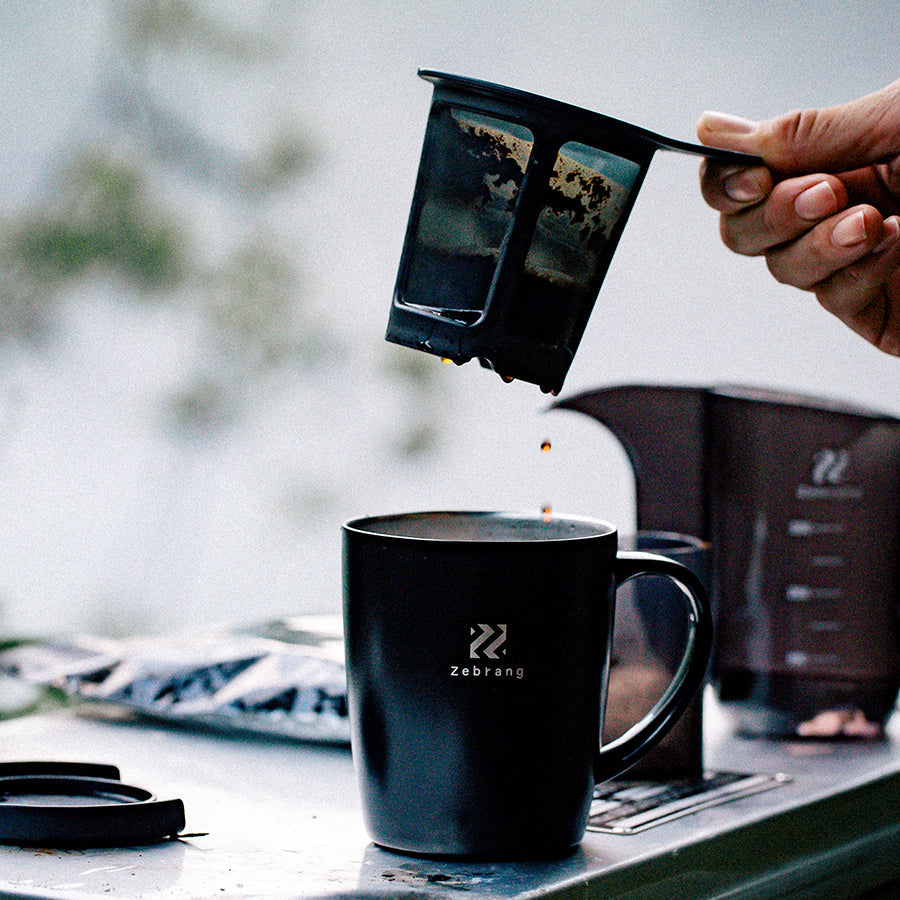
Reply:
x=725, y=123
x=816, y=202
x=891, y=233
x=743, y=186
x=850, y=230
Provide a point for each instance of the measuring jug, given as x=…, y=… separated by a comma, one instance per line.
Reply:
x=800, y=499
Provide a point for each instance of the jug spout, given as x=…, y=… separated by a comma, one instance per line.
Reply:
x=663, y=431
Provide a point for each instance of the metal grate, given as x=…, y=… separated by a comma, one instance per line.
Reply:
x=628, y=807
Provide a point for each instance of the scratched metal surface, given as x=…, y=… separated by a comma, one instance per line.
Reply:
x=280, y=819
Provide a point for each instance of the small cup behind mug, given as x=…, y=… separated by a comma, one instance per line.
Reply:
x=649, y=640
x=478, y=646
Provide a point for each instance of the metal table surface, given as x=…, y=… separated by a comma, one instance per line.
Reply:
x=281, y=819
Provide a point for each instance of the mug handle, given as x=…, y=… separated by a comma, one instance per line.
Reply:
x=627, y=749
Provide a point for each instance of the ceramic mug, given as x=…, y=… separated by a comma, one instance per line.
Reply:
x=478, y=647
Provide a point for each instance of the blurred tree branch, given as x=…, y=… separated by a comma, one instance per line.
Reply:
x=122, y=208
x=112, y=214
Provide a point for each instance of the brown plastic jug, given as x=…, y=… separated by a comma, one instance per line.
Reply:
x=799, y=498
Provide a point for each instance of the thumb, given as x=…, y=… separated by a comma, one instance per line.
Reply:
x=834, y=139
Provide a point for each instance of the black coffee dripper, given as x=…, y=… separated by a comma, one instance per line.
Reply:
x=518, y=207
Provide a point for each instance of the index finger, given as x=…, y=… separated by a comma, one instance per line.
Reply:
x=731, y=189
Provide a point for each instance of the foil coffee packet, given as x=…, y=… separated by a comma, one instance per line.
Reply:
x=284, y=678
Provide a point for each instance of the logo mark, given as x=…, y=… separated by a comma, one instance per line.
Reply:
x=479, y=648
x=829, y=466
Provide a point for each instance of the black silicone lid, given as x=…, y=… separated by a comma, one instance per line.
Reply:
x=63, y=804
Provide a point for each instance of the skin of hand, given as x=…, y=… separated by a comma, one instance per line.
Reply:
x=825, y=208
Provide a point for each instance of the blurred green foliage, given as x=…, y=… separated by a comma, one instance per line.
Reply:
x=105, y=219
x=181, y=24
x=118, y=211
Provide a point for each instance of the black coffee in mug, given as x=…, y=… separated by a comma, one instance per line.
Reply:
x=478, y=648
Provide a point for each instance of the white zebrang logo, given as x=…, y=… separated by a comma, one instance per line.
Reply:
x=479, y=648
x=829, y=466
x=487, y=642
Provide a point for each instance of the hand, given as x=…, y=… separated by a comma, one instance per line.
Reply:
x=824, y=208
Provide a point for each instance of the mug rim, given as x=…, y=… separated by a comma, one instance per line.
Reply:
x=600, y=528
x=668, y=543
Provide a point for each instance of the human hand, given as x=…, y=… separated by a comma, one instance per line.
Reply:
x=824, y=209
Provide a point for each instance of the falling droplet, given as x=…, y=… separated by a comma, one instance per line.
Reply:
x=545, y=446
x=547, y=512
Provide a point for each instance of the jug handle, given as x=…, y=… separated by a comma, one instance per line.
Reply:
x=617, y=756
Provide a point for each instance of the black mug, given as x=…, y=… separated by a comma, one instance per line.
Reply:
x=478, y=647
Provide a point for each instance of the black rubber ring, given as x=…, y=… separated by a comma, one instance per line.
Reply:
x=120, y=815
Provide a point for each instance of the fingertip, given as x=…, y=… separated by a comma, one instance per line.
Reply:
x=718, y=129
x=888, y=236
x=851, y=230
x=730, y=189
x=747, y=185
x=817, y=201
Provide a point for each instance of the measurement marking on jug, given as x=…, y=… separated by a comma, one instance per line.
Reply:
x=829, y=561
x=799, y=659
x=820, y=492
x=803, y=593
x=830, y=626
x=805, y=528
x=830, y=465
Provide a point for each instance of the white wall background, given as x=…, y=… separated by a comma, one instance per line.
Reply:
x=106, y=524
